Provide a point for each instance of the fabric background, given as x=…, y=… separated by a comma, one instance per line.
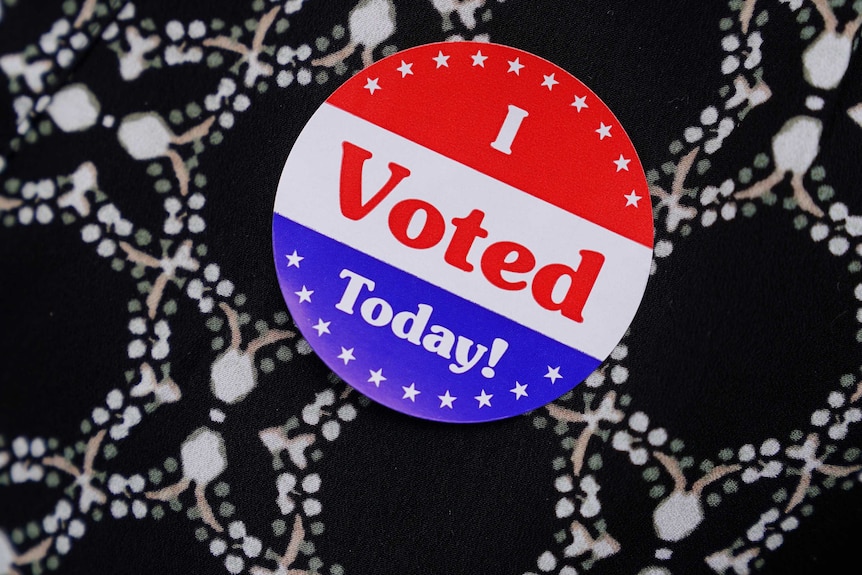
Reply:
x=722, y=436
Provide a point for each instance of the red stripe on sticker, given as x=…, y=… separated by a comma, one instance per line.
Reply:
x=546, y=134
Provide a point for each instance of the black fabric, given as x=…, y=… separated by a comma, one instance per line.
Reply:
x=744, y=354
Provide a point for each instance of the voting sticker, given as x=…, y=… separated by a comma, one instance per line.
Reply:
x=463, y=231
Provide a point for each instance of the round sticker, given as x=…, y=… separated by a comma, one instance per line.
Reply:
x=463, y=231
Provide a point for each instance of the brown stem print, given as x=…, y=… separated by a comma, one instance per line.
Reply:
x=146, y=136
x=829, y=20
x=86, y=13
x=369, y=23
x=276, y=440
x=182, y=259
x=171, y=491
x=32, y=555
x=793, y=150
x=177, y=162
x=826, y=59
x=85, y=179
x=807, y=452
x=83, y=478
x=233, y=374
x=676, y=212
x=679, y=514
x=592, y=418
x=249, y=54
x=745, y=93
x=203, y=458
x=9, y=204
x=297, y=536
x=204, y=507
x=164, y=391
x=582, y=542
x=745, y=14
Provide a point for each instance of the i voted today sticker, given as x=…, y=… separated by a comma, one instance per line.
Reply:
x=463, y=231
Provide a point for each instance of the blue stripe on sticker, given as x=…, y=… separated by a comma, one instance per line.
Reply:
x=413, y=346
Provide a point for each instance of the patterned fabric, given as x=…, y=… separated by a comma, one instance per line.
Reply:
x=140, y=149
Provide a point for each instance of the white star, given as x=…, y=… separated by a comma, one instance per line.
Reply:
x=550, y=82
x=441, y=59
x=304, y=294
x=479, y=59
x=622, y=163
x=520, y=390
x=484, y=399
x=346, y=355
x=322, y=327
x=632, y=199
x=604, y=131
x=580, y=103
x=376, y=377
x=515, y=66
x=410, y=392
x=553, y=374
x=294, y=259
x=405, y=68
x=446, y=400
x=372, y=85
